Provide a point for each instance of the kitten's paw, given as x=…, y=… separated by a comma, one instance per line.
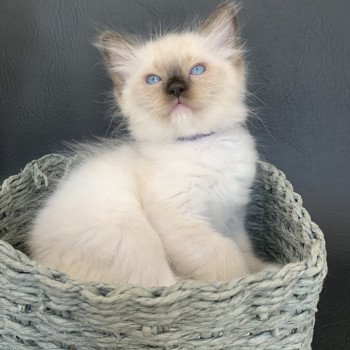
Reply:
x=221, y=262
x=158, y=275
x=270, y=266
x=167, y=282
x=256, y=265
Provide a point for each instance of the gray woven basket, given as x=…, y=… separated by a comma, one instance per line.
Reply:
x=41, y=308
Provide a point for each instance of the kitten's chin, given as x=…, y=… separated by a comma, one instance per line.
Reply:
x=180, y=109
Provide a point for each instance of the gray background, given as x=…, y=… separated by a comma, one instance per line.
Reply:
x=53, y=87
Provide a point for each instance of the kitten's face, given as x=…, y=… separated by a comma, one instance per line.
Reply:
x=180, y=84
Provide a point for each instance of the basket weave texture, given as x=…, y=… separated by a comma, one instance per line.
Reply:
x=41, y=308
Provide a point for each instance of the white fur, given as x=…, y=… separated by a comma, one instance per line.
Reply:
x=130, y=214
x=158, y=208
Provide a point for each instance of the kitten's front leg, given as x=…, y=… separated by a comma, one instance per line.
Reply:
x=202, y=254
x=254, y=263
x=196, y=251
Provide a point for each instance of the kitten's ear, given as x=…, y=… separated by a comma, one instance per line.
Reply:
x=221, y=26
x=118, y=50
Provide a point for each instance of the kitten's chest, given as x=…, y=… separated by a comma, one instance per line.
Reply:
x=201, y=177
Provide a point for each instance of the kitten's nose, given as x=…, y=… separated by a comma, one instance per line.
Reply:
x=176, y=88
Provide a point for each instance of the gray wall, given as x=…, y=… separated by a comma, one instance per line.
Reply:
x=53, y=87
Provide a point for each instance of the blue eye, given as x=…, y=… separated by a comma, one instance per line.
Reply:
x=153, y=79
x=198, y=69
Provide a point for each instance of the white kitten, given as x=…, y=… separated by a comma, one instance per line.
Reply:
x=172, y=202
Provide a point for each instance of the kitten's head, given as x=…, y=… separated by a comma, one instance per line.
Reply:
x=180, y=84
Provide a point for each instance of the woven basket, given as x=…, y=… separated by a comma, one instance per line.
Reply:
x=41, y=308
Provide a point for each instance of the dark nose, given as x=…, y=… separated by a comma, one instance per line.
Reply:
x=176, y=88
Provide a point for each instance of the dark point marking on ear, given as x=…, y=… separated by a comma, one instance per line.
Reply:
x=221, y=27
x=117, y=50
x=225, y=12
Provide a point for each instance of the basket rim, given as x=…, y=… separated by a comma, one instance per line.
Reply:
x=108, y=292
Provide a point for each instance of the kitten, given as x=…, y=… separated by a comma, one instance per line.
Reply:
x=171, y=203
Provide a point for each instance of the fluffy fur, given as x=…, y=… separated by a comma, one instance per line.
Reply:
x=162, y=206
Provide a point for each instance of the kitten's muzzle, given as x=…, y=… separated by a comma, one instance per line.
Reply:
x=176, y=87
